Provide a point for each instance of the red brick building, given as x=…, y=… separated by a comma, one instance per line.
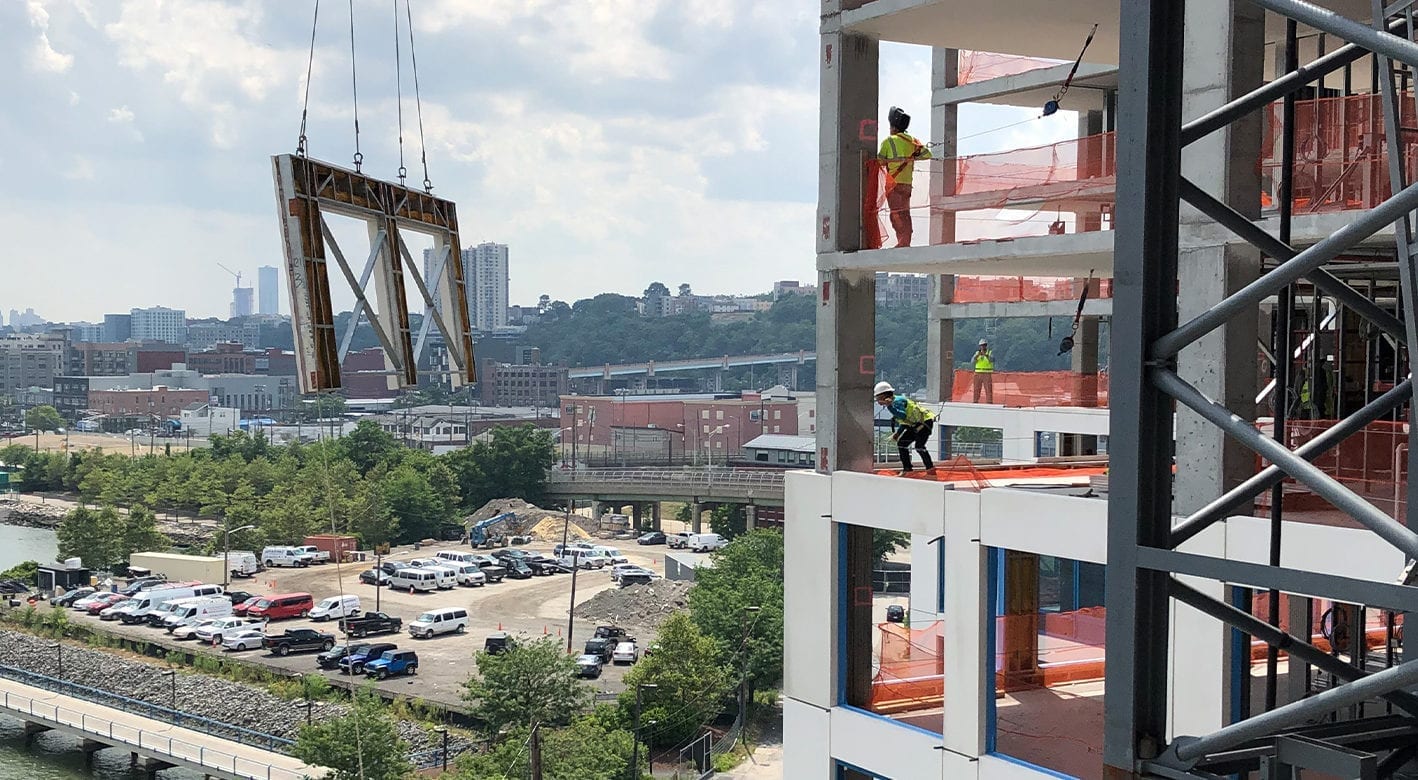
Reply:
x=675, y=425
x=152, y=359
x=362, y=375
x=224, y=358
x=161, y=402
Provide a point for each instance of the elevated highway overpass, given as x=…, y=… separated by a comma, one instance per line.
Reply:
x=692, y=485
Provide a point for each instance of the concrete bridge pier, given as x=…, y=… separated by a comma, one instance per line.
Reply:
x=636, y=515
x=597, y=509
x=696, y=511
x=655, y=516
x=31, y=729
x=750, y=517
x=151, y=766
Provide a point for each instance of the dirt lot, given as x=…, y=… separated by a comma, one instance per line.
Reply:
x=531, y=607
x=109, y=442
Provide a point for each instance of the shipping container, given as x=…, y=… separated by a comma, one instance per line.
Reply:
x=340, y=547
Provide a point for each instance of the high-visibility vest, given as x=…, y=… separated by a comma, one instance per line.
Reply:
x=899, y=151
x=914, y=414
x=984, y=362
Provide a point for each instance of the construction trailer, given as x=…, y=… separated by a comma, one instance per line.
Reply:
x=177, y=567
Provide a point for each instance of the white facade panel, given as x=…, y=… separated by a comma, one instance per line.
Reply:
x=966, y=619
x=914, y=506
x=808, y=582
x=1197, y=675
x=1310, y=547
x=807, y=739
x=1026, y=521
x=884, y=747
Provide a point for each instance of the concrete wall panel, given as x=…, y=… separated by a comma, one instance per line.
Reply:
x=882, y=746
x=1027, y=521
x=909, y=505
x=807, y=738
x=809, y=589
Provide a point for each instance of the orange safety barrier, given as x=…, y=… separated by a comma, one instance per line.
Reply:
x=1064, y=647
x=910, y=671
x=1373, y=463
x=1037, y=388
x=976, y=66
x=980, y=477
x=1014, y=289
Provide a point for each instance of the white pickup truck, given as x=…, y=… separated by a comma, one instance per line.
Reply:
x=318, y=555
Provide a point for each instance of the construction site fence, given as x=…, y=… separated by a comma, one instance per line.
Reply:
x=1341, y=163
x=1035, y=388
x=1373, y=463
x=977, y=66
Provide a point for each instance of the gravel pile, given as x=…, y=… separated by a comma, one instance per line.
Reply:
x=543, y=524
x=221, y=700
x=642, y=606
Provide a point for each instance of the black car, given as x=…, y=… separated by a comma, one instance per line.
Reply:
x=654, y=537
x=68, y=599
x=374, y=577
x=601, y=648
x=517, y=569
x=371, y=623
x=493, y=573
x=542, y=565
x=506, y=554
x=330, y=659
x=238, y=596
x=499, y=642
x=134, y=586
x=298, y=640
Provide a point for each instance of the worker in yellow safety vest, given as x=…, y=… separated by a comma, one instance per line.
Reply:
x=911, y=424
x=984, y=372
x=899, y=153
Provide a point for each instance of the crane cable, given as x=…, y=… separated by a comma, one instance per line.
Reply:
x=399, y=92
x=300, y=147
x=354, y=86
x=418, y=101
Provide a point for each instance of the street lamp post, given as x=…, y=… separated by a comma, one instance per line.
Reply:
x=635, y=751
x=171, y=675
x=59, y=650
x=444, y=731
x=226, y=554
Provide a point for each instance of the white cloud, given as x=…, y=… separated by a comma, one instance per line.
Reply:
x=43, y=56
x=122, y=115
x=80, y=169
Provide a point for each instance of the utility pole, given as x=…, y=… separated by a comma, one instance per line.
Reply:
x=536, y=751
x=575, y=566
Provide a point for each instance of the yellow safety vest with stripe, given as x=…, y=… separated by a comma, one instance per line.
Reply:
x=900, y=151
x=985, y=362
x=907, y=413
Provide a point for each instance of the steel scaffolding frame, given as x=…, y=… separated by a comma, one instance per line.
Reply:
x=1143, y=562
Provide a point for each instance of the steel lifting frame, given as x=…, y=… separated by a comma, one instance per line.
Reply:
x=1143, y=561
x=306, y=189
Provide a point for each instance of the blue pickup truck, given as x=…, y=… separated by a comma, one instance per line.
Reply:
x=391, y=663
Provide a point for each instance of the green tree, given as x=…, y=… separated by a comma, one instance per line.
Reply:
x=884, y=543
x=43, y=418
x=690, y=681
x=534, y=682
x=747, y=573
x=588, y=749
x=362, y=745
x=138, y=532
x=513, y=465
x=24, y=572
x=370, y=517
x=368, y=445
x=728, y=520
x=413, y=503
x=89, y=536
x=322, y=407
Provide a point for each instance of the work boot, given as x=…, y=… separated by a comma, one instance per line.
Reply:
x=906, y=461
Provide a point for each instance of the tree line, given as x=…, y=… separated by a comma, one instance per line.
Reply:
x=366, y=484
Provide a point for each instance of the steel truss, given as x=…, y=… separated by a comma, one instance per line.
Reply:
x=1143, y=562
x=306, y=189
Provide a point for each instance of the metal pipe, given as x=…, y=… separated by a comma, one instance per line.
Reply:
x=1291, y=82
x=1281, y=640
x=1237, y=497
x=1326, y=487
x=1281, y=250
x=1292, y=270
x=1379, y=684
x=1324, y=20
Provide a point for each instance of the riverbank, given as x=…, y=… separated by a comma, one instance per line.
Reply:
x=47, y=510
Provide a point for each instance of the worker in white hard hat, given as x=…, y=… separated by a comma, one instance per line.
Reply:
x=984, y=364
x=911, y=424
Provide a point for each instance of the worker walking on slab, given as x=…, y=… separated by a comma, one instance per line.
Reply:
x=899, y=153
x=911, y=424
x=985, y=372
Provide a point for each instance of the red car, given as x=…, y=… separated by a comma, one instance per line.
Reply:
x=286, y=605
x=104, y=602
x=240, y=609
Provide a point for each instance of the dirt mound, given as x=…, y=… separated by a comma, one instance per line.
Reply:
x=646, y=606
x=552, y=529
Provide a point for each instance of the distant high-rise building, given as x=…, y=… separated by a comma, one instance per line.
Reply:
x=25, y=319
x=159, y=323
x=117, y=327
x=268, y=281
x=485, y=269
x=85, y=331
x=241, y=301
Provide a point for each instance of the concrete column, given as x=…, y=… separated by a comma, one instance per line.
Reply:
x=635, y=516
x=1084, y=360
x=696, y=511
x=597, y=508
x=655, y=516
x=1225, y=48
x=751, y=517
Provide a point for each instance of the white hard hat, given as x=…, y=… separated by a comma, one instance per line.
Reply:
x=882, y=387
x=984, y=343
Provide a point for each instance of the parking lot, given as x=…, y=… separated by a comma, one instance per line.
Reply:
x=530, y=608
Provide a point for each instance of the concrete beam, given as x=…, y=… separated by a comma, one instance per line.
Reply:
x=1033, y=87
x=1072, y=254
x=1093, y=307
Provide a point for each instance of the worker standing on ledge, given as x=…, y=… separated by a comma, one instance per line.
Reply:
x=985, y=372
x=899, y=153
x=911, y=424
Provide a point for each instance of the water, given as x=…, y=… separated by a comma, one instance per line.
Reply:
x=26, y=544
x=54, y=756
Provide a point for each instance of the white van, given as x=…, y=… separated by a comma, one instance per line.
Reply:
x=447, y=574
x=440, y=621
x=195, y=610
x=243, y=563
x=706, y=542
x=470, y=574
x=454, y=557
x=412, y=579
x=580, y=554
x=335, y=607
x=286, y=556
x=150, y=600
x=612, y=554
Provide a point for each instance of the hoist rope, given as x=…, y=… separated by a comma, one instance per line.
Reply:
x=354, y=84
x=309, y=68
x=399, y=92
x=418, y=101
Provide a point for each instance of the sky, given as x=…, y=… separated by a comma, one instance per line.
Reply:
x=609, y=143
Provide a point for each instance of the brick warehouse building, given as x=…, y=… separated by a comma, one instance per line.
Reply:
x=674, y=427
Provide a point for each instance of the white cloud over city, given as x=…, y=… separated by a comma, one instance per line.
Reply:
x=610, y=143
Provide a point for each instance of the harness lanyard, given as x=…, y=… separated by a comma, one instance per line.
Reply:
x=1051, y=107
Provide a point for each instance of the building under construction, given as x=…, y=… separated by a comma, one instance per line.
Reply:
x=1224, y=595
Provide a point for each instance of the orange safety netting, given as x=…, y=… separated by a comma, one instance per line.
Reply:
x=1046, y=649
x=1372, y=462
x=1341, y=159
x=910, y=672
x=975, y=66
x=1037, y=388
x=1014, y=289
x=980, y=477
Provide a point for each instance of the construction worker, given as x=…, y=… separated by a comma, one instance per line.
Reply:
x=911, y=424
x=984, y=372
x=899, y=153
